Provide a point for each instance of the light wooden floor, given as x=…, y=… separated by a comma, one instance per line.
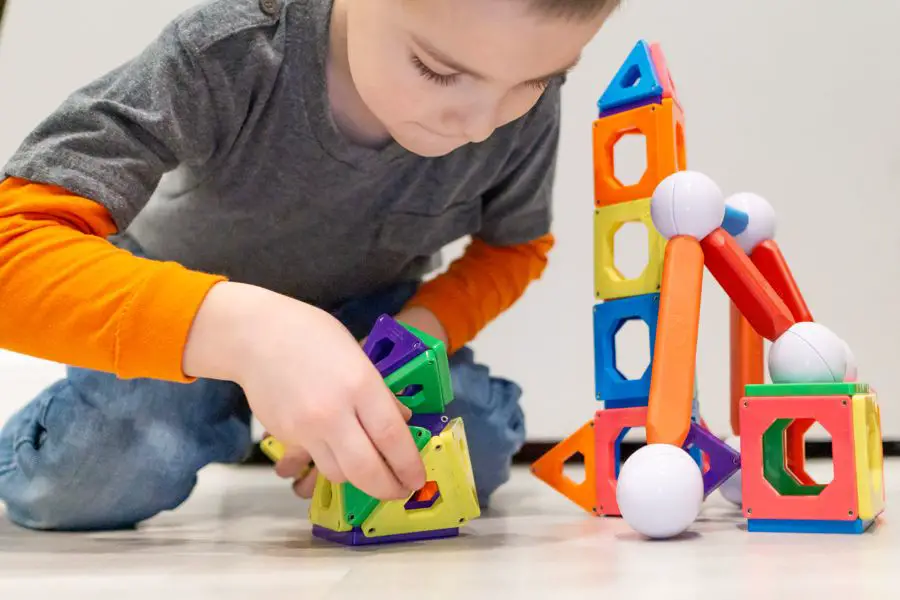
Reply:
x=243, y=535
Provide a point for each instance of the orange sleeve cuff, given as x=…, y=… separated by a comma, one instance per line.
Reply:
x=480, y=285
x=72, y=297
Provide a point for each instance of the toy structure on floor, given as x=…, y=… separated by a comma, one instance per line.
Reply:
x=660, y=489
x=416, y=369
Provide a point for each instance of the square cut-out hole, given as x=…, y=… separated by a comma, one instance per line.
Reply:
x=632, y=349
x=382, y=349
x=410, y=390
x=631, y=249
x=629, y=155
x=424, y=498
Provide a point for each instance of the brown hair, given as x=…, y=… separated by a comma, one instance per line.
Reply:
x=573, y=9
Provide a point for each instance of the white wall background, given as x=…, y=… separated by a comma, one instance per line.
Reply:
x=793, y=100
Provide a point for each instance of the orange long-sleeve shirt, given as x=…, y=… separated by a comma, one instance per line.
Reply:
x=68, y=295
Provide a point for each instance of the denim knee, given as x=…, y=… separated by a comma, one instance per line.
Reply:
x=493, y=418
x=70, y=466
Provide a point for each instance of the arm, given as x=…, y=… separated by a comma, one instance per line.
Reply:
x=72, y=297
x=477, y=288
x=83, y=174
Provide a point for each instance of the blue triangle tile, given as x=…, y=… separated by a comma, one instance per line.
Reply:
x=635, y=83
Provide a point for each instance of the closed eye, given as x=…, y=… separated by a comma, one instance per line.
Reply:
x=430, y=74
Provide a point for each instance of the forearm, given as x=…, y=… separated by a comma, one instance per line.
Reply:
x=70, y=296
x=480, y=285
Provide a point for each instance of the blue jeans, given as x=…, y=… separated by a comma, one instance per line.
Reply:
x=94, y=452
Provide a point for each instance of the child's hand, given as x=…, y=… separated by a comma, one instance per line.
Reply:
x=309, y=384
x=295, y=465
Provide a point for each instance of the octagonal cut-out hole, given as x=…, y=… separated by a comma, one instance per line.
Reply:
x=784, y=458
x=629, y=156
x=631, y=249
x=821, y=471
x=632, y=353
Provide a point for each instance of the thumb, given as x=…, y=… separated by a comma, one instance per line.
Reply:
x=404, y=410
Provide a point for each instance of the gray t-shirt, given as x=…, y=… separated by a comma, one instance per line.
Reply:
x=215, y=148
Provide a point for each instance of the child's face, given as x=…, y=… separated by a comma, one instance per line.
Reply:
x=438, y=74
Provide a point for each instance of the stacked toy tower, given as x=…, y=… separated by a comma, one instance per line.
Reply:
x=640, y=100
x=415, y=368
x=692, y=228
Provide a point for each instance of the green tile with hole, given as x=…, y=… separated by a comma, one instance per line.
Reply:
x=358, y=505
x=806, y=389
x=422, y=384
x=440, y=355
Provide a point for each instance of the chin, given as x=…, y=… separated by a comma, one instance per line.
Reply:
x=429, y=145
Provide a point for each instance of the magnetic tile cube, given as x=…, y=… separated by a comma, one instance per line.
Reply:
x=775, y=496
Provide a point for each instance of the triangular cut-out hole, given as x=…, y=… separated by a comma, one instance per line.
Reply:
x=631, y=249
x=632, y=77
x=574, y=468
x=410, y=390
x=382, y=350
x=424, y=498
x=629, y=158
x=632, y=349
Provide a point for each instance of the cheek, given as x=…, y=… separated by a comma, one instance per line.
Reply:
x=516, y=104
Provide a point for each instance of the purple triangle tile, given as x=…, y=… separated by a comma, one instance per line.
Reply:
x=724, y=461
x=435, y=423
x=357, y=538
x=390, y=345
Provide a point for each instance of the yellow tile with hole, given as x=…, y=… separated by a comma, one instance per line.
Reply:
x=327, y=506
x=868, y=452
x=447, y=463
x=609, y=282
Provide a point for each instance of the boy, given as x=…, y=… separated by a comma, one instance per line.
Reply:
x=273, y=175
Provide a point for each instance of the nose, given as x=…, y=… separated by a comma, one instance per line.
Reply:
x=478, y=124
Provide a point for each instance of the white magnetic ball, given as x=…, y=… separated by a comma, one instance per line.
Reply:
x=760, y=223
x=852, y=373
x=660, y=491
x=731, y=489
x=808, y=353
x=687, y=203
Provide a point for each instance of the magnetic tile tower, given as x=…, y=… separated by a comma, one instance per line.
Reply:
x=415, y=368
x=692, y=226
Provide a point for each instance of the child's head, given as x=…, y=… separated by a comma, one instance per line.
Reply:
x=439, y=74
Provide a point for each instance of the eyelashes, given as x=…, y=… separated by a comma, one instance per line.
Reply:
x=424, y=71
x=448, y=80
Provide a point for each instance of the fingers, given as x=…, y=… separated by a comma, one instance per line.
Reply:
x=306, y=486
x=295, y=461
x=363, y=465
x=405, y=412
x=386, y=427
x=326, y=461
